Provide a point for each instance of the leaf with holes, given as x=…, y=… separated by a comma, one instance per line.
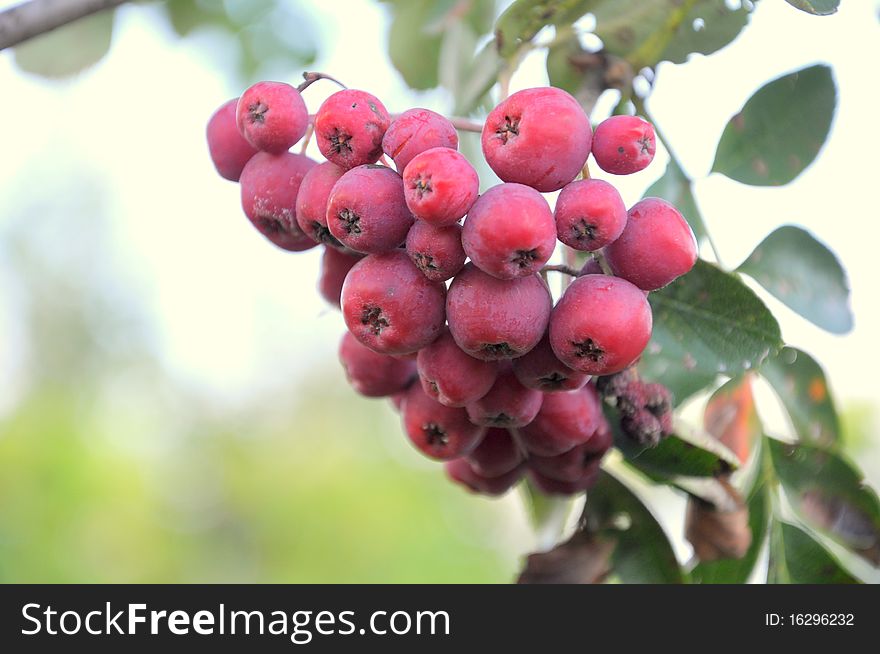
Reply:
x=797, y=558
x=675, y=187
x=707, y=323
x=830, y=495
x=816, y=7
x=646, y=32
x=805, y=275
x=69, y=49
x=800, y=383
x=780, y=130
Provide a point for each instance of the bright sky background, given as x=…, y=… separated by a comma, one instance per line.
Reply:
x=234, y=315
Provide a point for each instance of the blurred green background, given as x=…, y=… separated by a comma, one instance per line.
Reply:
x=170, y=404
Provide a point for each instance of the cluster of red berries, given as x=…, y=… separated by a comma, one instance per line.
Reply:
x=488, y=374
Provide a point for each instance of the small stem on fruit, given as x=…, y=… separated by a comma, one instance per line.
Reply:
x=312, y=77
x=603, y=263
x=310, y=130
x=585, y=171
x=466, y=125
x=561, y=268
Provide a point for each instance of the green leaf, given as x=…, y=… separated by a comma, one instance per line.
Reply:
x=816, y=7
x=737, y=571
x=643, y=553
x=829, y=494
x=573, y=69
x=805, y=275
x=414, y=53
x=780, y=130
x=797, y=558
x=688, y=453
x=800, y=383
x=68, y=49
x=675, y=187
x=523, y=19
x=646, y=32
x=707, y=323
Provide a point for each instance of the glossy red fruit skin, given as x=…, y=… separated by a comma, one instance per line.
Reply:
x=565, y=420
x=335, y=265
x=461, y=472
x=601, y=325
x=269, y=186
x=623, y=145
x=451, y=376
x=415, y=131
x=550, y=486
x=494, y=319
x=272, y=116
x=436, y=251
x=389, y=305
x=508, y=404
x=656, y=247
x=372, y=374
x=366, y=210
x=541, y=370
x=510, y=231
x=440, y=186
x=496, y=455
x=439, y=432
x=349, y=127
x=539, y=137
x=311, y=202
x=228, y=148
x=589, y=214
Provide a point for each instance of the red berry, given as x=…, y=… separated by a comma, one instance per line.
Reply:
x=496, y=455
x=550, y=486
x=493, y=319
x=335, y=265
x=541, y=370
x=589, y=214
x=440, y=432
x=539, y=137
x=569, y=466
x=656, y=247
x=440, y=186
x=564, y=421
x=601, y=325
x=269, y=186
x=436, y=251
x=228, y=148
x=272, y=116
x=461, y=472
x=623, y=145
x=389, y=305
x=415, y=131
x=311, y=203
x=366, y=210
x=349, y=127
x=509, y=231
x=373, y=374
x=451, y=376
x=507, y=404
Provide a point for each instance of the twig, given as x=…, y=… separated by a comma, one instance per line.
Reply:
x=312, y=77
x=562, y=268
x=29, y=19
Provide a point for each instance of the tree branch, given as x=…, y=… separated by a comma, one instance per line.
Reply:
x=29, y=19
